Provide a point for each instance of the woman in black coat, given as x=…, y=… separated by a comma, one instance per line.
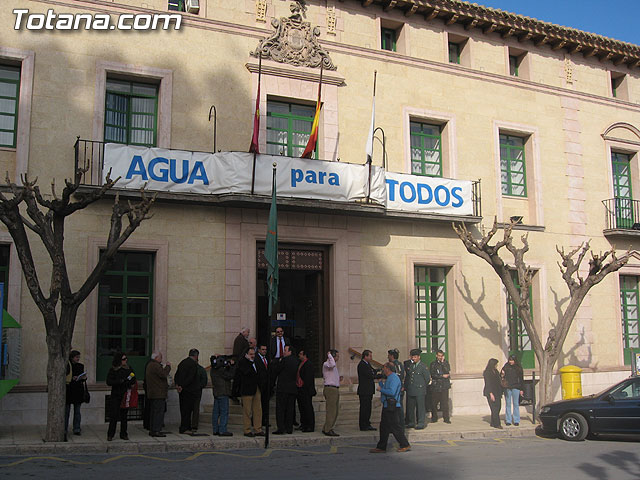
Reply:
x=493, y=391
x=76, y=380
x=120, y=378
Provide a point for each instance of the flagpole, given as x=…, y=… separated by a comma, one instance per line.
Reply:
x=370, y=158
x=268, y=392
x=256, y=135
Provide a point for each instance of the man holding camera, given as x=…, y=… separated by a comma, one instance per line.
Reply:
x=223, y=370
x=366, y=389
x=389, y=423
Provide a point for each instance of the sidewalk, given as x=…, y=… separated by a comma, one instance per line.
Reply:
x=27, y=440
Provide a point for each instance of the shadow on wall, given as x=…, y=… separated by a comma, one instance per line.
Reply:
x=494, y=331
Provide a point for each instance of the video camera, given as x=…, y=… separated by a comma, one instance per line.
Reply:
x=378, y=374
x=220, y=361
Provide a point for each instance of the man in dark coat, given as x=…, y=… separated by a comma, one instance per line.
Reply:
x=277, y=344
x=156, y=389
x=417, y=380
x=440, y=376
x=222, y=372
x=241, y=344
x=263, y=365
x=188, y=386
x=306, y=384
x=250, y=394
x=286, y=371
x=366, y=389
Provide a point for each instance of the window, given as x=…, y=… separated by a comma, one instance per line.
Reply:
x=431, y=309
x=388, y=39
x=288, y=128
x=619, y=87
x=629, y=314
x=519, y=341
x=514, y=63
x=628, y=391
x=454, y=53
x=9, y=95
x=623, y=197
x=176, y=5
x=426, y=149
x=125, y=316
x=4, y=272
x=512, y=166
x=131, y=113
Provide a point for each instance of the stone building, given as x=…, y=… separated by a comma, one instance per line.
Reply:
x=532, y=121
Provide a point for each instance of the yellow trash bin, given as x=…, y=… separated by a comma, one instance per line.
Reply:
x=571, y=382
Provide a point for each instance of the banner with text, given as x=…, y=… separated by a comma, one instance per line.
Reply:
x=428, y=194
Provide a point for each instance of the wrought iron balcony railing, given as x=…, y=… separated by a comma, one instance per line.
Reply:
x=622, y=213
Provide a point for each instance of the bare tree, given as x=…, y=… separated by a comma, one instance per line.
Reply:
x=579, y=285
x=46, y=217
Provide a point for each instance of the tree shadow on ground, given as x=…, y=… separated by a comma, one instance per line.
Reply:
x=627, y=462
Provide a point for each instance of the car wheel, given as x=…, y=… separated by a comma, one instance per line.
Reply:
x=573, y=427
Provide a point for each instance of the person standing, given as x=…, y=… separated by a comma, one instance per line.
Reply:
x=286, y=371
x=250, y=394
x=514, y=380
x=264, y=384
x=222, y=372
x=417, y=380
x=76, y=384
x=120, y=378
x=389, y=422
x=366, y=389
x=203, y=380
x=156, y=391
x=493, y=391
x=331, y=391
x=187, y=383
x=241, y=344
x=306, y=384
x=277, y=344
x=392, y=357
x=440, y=384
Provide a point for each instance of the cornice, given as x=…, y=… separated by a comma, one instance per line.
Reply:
x=506, y=24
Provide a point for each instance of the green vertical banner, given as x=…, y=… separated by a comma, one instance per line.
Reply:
x=271, y=248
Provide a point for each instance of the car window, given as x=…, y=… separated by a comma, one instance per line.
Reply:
x=629, y=390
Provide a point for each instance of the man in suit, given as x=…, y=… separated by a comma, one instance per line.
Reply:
x=366, y=389
x=263, y=365
x=241, y=344
x=277, y=344
x=250, y=394
x=440, y=372
x=188, y=386
x=306, y=384
x=417, y=380
x=286, y=371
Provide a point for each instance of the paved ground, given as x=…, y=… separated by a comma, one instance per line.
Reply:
x=524, y=458
x=27, y=440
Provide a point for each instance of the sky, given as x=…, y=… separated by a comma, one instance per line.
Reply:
x=613, y=19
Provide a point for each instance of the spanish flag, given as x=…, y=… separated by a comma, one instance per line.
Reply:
x=313, y=137
x=255, y=139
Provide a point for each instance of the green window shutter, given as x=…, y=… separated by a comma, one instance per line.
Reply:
x=125, y=311
x=629, y=313
x=519, y=341
x=131, y=113
x=388, y=39
x=431, y=310
x=513, y=166
x=623, y=196
x=9, y=98
x=513, y=65
x=454, y=53
x=288, y=128
x=426, y=149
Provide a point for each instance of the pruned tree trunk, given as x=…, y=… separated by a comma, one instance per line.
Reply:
x=546, y=354
x=46, y=218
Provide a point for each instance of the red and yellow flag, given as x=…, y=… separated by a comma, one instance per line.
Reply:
x=255, y=139
x=313, y=137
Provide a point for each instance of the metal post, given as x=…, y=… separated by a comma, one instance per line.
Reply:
x=533, y=394
x=215, y=125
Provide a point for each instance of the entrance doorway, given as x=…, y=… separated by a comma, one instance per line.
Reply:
x=302, y=300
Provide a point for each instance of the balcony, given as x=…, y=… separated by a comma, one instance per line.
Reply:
x=363, y=190
x=622, y=217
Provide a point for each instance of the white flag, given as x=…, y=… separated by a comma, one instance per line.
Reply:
x=369, y=147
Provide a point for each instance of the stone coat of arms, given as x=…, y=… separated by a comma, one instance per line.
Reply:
x=294, y=41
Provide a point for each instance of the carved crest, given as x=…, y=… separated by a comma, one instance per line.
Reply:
x=294, y=41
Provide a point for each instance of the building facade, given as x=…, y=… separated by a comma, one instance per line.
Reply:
x=541, y=122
